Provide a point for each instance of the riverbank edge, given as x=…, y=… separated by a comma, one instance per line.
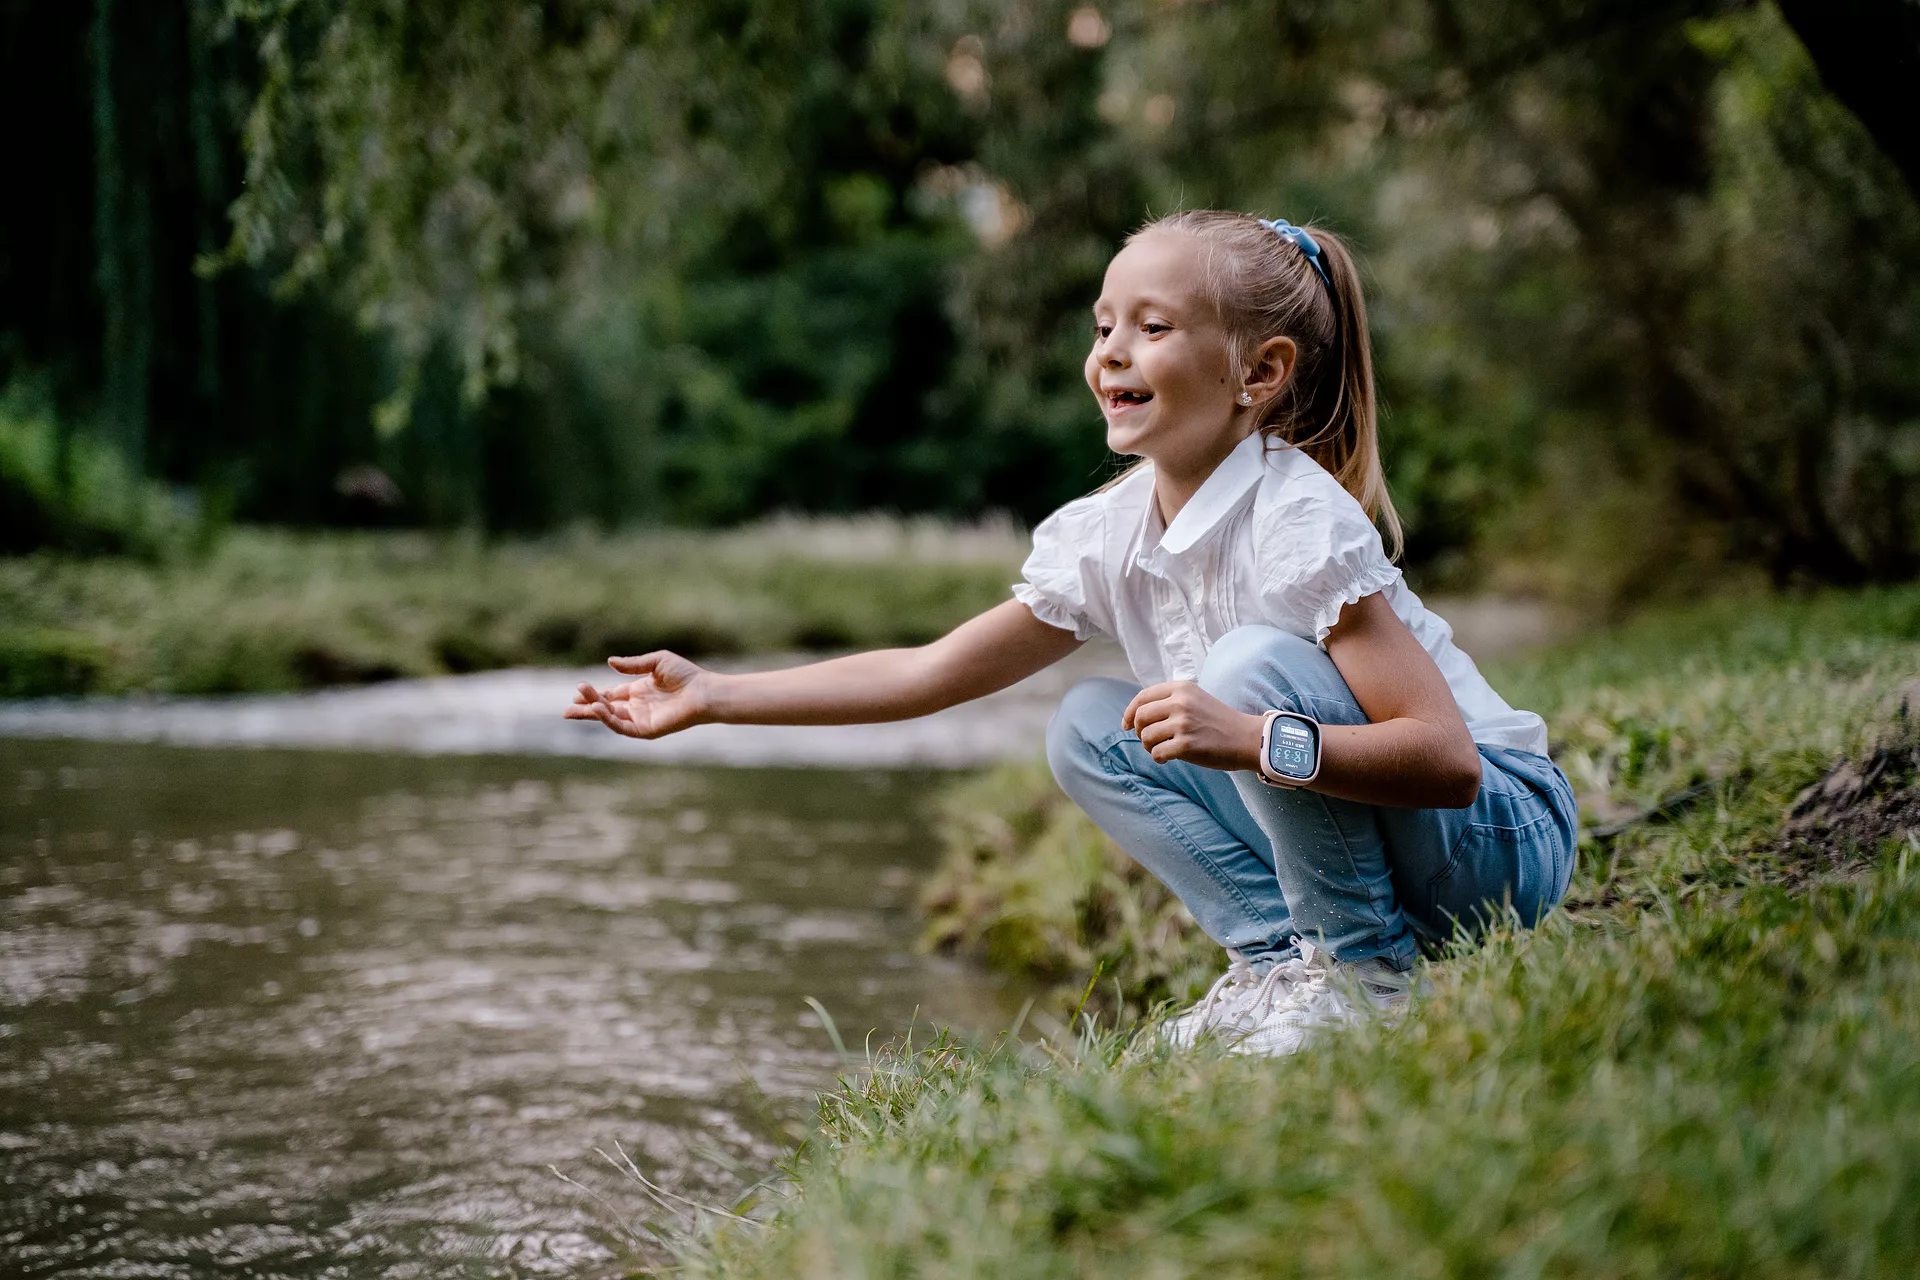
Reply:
x=265, y=610
x=1734, y=965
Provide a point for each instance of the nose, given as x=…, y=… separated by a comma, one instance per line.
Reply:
x=1109, y=352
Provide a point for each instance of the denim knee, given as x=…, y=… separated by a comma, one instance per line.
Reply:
x=1247, y=667
x=1087, y=716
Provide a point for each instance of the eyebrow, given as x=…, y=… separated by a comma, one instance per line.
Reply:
x=1148, y=303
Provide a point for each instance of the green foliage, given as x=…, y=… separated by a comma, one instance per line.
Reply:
x=677, y=237
x=1704, y=265
x=37, y=662
x=61, y=489
x=1645, y=292
x=1702, y=1068
x=266, y=610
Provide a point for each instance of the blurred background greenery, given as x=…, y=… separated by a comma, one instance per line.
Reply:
x=1643, y=271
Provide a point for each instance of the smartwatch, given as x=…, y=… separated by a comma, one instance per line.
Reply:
x=1289, y=749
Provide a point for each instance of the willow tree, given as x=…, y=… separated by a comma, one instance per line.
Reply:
x=669, y=249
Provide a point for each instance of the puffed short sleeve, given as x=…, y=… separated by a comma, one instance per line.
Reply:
x=1319, y=554
x=1064, y=584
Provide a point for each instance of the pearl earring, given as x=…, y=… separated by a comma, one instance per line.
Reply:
x=1246, y=397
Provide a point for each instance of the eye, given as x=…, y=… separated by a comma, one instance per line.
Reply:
x=1153, y=327
x=1101, y=330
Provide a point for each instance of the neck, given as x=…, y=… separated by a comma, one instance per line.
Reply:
x=1177, y=479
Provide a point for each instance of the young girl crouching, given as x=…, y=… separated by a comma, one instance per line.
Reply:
x=1305, y=757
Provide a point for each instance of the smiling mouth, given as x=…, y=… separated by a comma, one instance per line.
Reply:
x=1117, y=400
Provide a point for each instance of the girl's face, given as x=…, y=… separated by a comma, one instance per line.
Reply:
x=1159, y=364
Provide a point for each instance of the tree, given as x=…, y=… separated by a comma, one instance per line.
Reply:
x=1868, y=53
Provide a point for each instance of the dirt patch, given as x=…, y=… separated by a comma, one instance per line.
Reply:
x=1846, y=818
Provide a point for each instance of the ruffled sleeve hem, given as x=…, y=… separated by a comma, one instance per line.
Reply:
x=1053, y=613
x=1377, y=577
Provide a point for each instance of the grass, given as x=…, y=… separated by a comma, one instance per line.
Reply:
x=265, y=609
x=1704, y=1066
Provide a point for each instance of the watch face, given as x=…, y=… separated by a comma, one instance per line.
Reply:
x=1292, y=748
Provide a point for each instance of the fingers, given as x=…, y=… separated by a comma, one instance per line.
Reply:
x=583, y=711
x=1164, y=717
x=591, y=711
x=1152, y=703
x=585, y=694
x=1167, y=740
x=624, y=690
x=640, y=666
x=1158, y=732
x=603, y=713
x=1164, y=745
x=616, y=716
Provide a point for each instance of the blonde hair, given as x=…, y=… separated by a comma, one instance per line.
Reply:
x=1264, y=286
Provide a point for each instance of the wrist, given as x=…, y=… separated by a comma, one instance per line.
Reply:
x=712, y=698
x=1247, y=741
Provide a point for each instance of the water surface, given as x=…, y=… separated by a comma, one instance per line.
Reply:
x=276, y=1013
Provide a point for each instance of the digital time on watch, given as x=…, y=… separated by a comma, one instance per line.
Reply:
x=1289, y=749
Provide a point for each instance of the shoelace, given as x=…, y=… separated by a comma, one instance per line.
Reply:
x=1294, y=972
x=1316, y=997
x=1236, y=992
x=1239, y=974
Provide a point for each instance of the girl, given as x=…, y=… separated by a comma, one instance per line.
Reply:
x=1307, y=760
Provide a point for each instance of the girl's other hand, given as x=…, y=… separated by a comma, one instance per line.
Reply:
x=1178, y=720
x=670, y=695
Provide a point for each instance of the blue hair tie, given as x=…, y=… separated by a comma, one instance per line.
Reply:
x=1303, y=242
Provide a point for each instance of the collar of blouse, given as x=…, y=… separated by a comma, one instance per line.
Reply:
x=1217, y=498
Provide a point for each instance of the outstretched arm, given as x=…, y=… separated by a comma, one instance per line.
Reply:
x=983, y=655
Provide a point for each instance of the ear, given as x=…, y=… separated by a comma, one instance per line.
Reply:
x=1271, y=366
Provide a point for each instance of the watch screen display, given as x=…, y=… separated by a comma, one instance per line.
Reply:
x=1290, y=749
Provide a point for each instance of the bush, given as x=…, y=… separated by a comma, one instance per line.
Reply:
x=65, y=490
x=50, y=662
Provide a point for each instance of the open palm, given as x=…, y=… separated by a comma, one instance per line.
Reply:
x=667, y=696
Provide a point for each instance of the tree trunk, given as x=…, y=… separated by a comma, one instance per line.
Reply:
x=123, y=247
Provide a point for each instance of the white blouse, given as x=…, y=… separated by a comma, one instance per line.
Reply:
x=1269, y=538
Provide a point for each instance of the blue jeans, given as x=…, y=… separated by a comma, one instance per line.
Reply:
x=1260, y=866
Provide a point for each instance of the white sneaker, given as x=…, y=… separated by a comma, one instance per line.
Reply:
x=1329, y=993
x=1239, y=1001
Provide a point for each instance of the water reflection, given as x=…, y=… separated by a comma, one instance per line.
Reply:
x=329, y=1014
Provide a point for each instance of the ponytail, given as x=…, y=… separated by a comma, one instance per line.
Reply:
x=1346, y=440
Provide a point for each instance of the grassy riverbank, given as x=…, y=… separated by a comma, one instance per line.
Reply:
x=268, y=610
x=1703, y=1066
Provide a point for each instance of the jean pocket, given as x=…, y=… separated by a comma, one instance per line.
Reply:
x=1507, y=859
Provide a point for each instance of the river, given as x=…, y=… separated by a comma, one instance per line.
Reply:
x=306, y=1013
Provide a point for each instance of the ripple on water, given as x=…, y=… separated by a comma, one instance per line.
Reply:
x=305, y=1014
